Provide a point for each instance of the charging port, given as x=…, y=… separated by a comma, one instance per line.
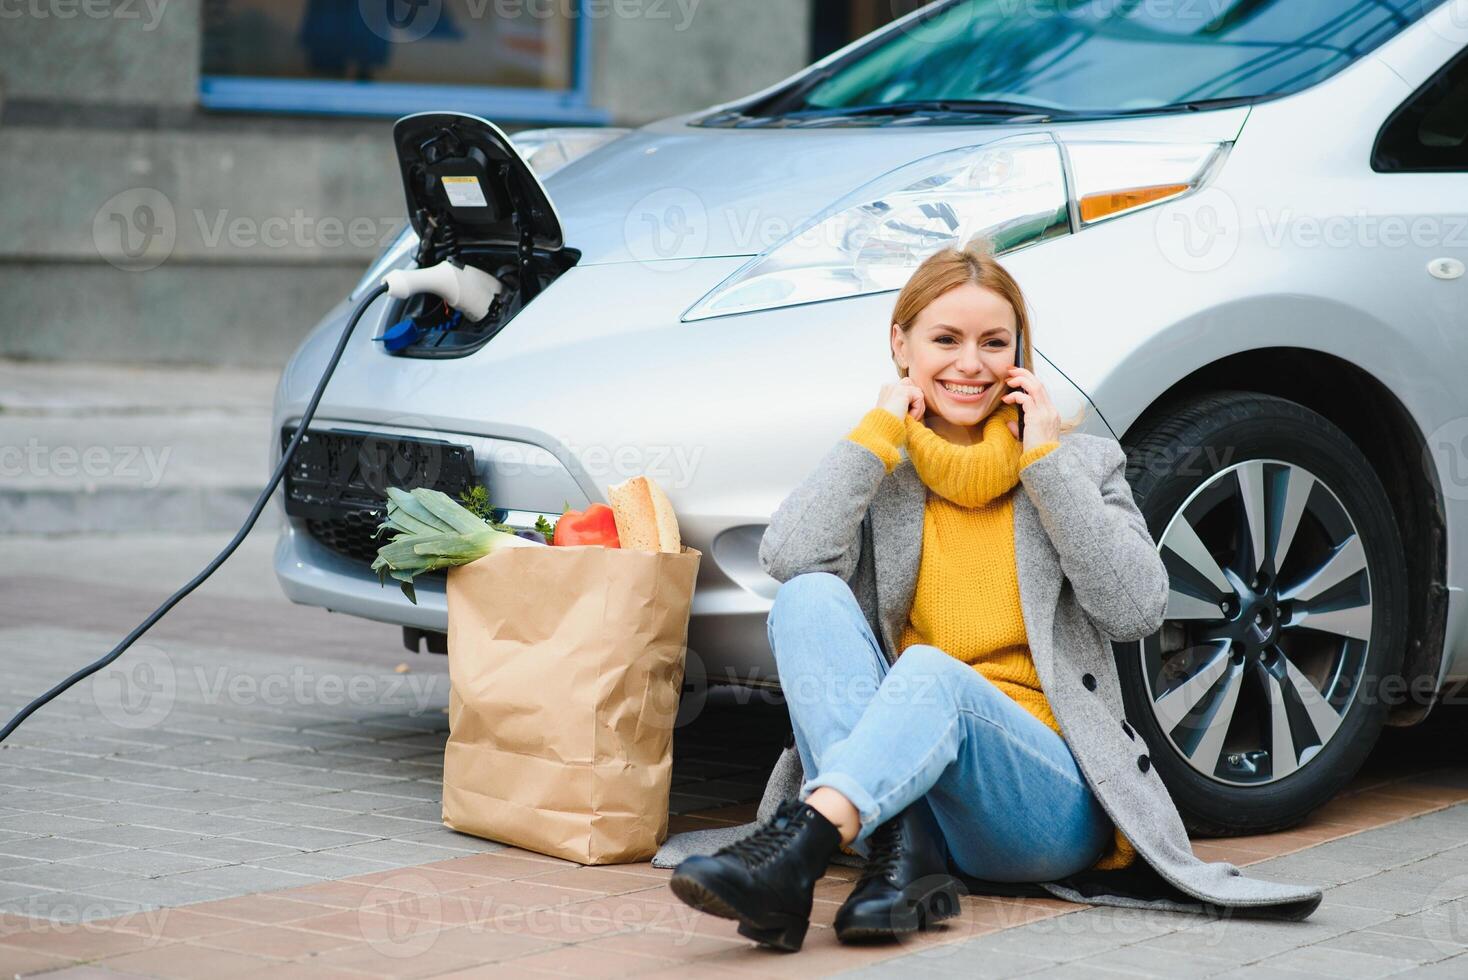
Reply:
x=472, y=200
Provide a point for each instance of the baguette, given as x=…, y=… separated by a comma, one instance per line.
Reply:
x=644, y=516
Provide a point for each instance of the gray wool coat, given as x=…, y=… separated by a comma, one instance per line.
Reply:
x=1088, y=573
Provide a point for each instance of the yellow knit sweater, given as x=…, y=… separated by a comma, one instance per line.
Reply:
x=968, y=554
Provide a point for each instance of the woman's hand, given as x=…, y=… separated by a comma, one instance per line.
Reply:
x=903, y=397
x=1042, y=420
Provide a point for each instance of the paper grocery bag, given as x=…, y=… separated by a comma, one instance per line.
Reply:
x=565, y=670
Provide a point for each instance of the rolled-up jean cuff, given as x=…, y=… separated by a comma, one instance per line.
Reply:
x=865, y=803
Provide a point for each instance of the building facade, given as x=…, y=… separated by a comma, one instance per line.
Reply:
x=197, y=181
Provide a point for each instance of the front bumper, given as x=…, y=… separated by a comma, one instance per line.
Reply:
x=313, y=575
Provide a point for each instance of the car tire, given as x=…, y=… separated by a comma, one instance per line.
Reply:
x=1222, y=702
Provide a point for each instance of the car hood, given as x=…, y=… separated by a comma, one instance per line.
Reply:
x=674, y=191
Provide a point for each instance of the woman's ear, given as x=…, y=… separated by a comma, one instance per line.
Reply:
x=899, y=348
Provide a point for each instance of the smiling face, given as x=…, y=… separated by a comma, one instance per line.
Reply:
x=964, y=338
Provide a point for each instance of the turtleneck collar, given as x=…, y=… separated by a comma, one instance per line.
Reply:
x=973, y=475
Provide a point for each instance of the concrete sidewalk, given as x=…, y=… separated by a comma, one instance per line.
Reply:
x=87, y=448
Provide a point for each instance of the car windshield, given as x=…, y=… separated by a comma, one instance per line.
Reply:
x=1069, y=57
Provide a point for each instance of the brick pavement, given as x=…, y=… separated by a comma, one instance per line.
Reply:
x=255, y=789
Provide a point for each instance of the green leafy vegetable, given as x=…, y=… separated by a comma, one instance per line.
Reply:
x=476, y=501
x=432, y=532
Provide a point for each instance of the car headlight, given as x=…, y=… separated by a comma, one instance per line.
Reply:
x=1012, y=190
x=1117, y=177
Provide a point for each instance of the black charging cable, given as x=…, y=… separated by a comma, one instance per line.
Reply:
x=229, y=549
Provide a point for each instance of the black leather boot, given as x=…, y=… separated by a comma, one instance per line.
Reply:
x=905, y=886
x=766, y=880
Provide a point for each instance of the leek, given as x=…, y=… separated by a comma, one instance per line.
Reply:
x=433, y=531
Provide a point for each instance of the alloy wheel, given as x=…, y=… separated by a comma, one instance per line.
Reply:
x=1268, y=623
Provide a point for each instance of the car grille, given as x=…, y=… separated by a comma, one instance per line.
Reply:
x=350, y=534
x=337, y=483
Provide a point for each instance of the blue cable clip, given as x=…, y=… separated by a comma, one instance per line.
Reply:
x=402, y=334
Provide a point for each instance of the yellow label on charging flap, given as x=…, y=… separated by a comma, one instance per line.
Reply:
x=464, y=192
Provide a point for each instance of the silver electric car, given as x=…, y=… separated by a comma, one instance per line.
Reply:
x=1241, y=226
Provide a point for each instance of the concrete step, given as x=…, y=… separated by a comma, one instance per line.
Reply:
x=90, y=448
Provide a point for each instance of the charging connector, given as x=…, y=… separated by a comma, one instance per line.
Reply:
x=465, y=288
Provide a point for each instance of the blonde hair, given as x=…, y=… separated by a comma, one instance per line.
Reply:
x=949, y=267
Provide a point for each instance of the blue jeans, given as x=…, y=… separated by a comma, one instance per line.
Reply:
x=1004, y=789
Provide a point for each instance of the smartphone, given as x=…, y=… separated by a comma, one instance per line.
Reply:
x=1019, y=361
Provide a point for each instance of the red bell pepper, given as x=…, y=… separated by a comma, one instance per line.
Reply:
x=594, y=525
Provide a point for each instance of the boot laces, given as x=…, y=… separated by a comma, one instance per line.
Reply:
x=886, y=849
x=766, y=842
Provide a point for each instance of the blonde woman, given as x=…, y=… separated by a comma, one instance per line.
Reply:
x=941, y=635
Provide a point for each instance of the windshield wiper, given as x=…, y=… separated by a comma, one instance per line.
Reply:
x=1194, y=105
x=959, y=109
x=924, y=107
